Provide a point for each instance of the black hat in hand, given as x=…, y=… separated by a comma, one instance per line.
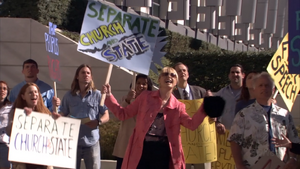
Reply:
x=214, y=106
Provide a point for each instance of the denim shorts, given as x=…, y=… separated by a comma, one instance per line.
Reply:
x=4, y=163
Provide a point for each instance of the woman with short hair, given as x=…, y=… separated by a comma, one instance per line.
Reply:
x=156, y=141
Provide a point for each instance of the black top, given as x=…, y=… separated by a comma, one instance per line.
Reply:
x=295, y=148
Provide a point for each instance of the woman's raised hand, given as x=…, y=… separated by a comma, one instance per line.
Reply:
x=285, y=142
x=106, y=89
x=131, y=95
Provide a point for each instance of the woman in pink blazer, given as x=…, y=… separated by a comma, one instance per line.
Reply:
x=156, y=141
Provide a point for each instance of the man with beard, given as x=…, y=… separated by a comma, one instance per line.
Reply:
x=230, y=94
x=82, y=101
x=30, y=71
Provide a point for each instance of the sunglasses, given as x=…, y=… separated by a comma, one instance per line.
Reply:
x=167, y=74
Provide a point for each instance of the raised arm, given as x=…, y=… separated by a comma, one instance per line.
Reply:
x=191, y=123
x=120, y=112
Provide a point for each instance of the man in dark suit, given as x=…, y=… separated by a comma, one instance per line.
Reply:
x=185, y=91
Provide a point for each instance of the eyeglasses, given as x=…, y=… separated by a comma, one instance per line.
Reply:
x=167, y=74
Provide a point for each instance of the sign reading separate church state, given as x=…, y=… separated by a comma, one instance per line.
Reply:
x=119, y=38
x=39, y=136
x=287, y=84
x=199, y=146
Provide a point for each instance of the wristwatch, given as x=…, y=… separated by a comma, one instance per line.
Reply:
x=99, y=122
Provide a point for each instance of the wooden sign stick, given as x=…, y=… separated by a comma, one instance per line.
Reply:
x=133, y=81
x=55, y=95
x=275, y=94
x=108, y=75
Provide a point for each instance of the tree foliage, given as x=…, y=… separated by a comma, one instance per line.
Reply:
x=66, y=14
x=210, y=69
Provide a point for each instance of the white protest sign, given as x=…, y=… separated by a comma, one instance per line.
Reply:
x=39, y=139
x=269, y=161
x=119, y=38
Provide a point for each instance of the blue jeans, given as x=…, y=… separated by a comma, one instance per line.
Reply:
x=4, y=163
x=91, y=156
x=119, y=162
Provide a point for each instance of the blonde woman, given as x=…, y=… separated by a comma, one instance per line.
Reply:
x=156, y=141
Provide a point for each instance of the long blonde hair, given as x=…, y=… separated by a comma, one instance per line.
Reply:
x=75, y=84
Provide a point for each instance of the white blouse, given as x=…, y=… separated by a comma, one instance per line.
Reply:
x=4, y=116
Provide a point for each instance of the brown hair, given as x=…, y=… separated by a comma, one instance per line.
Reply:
x=6, y=101
x=75, y=84
x=245, y=91
x=180, y=63
x=20, y=103
x=30, y=61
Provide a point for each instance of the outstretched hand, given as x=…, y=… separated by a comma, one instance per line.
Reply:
x=285, y=142
x=106, y=89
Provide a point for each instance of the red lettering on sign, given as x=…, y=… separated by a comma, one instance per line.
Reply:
x=54, y=70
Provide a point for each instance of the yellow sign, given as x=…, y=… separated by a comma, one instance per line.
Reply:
x=287, y=84
x=225, y=158
x=199, y=146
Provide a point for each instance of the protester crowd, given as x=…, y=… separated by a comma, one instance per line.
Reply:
x=149, y=134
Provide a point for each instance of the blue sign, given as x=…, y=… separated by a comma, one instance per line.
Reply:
x=294, y=37
x=51, y=42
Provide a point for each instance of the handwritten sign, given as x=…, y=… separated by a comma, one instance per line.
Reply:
x=119, y=38
x=269, y=161
x=287, y=84
x=52, y=49
x=294, y=37
x=199, y=146
x=225, y=158
x=39, y=136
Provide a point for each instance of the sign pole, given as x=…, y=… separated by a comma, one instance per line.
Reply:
x=108, y=75
x=133, y=81
x=275, y=94
x=55, y=94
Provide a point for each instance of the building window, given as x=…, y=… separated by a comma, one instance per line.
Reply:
x=155, y=8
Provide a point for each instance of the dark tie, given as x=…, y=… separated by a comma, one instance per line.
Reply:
x=185, y=95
